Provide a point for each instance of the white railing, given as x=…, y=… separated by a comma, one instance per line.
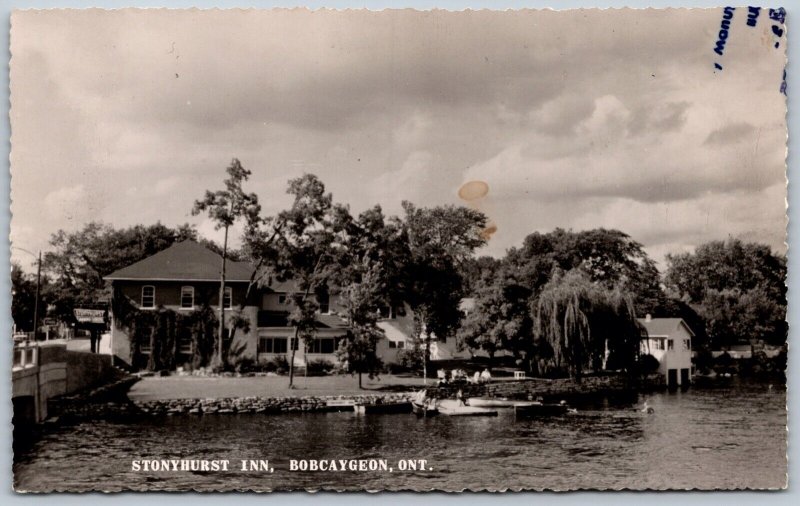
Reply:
x=25, y=355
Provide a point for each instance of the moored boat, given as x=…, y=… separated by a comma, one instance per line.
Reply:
x=425, y=410
x=494, y=402
x=456, y=408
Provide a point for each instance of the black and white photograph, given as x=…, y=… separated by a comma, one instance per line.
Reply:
x=398, y=250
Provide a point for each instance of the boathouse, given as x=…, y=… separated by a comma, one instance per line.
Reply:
x=669, y=340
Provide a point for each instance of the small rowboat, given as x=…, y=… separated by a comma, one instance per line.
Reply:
x=383, y=408
x=534, y=409
x=455, y=408
x=424, y=410
x=500, y=402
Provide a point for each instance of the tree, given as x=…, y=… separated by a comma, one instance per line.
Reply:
x=23, y=297
x=580, y=320
x=359, y=348
x=307, y=248
x=79, y=260
x=367, y=279
x=738, y=288
x=609, y=257
x=500, y=318
x=225, y=207
x=440, y=240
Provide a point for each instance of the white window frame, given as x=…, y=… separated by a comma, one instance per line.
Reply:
x=141, y=299
x=227, y=294
x=189, y=289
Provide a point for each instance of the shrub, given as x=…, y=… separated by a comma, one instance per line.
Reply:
x=648, y=364
x=319, y=367
x=280, y=364
x=244, y=364
x=411, y=358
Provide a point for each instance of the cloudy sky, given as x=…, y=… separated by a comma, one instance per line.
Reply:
x=574, y=119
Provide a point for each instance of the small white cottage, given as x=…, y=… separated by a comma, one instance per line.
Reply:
x=669, y=340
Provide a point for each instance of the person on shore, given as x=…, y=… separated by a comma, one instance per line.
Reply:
x=486, y=376
x=460, y=398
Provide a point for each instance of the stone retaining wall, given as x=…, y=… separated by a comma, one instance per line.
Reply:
x=107, y=402
x=259, y=404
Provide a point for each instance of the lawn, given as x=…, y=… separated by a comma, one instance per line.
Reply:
x=199, y=387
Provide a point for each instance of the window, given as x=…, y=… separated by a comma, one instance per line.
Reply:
x=687, y=344
x=148, y=297
x=324, y=302
x=281, y=299
x=670, y=344
x=187, y=297
x=658, y=344
x=321, y=345
x=227, y=298
x=397, y=344
x=294, y=343
x=185, y=346
x=385, y=313
x=272, y=345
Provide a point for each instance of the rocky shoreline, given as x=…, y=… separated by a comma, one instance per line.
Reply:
x=111, y=401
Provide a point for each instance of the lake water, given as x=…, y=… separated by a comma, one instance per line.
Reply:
x=707, y=439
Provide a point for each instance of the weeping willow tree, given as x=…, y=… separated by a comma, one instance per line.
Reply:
x=585, y=325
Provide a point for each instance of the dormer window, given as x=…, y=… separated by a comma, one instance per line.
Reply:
x=187, y=297
x=324, y=302
x=148, y=297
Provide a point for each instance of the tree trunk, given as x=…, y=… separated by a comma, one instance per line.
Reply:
x=296, y=331
x=221, y=335
x=427, y=357
x=291, y=361
x=360, y=387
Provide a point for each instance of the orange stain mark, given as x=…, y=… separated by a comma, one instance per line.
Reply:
x=473, y=190
x=489, y=230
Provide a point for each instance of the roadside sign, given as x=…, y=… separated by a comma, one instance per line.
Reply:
x=89, y=315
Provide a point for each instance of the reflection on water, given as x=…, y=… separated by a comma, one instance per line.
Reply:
x=708, y=439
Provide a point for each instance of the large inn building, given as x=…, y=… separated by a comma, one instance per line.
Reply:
x=185, y=276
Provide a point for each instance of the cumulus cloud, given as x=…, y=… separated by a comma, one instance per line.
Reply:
x=565, y=115
x=70, y=203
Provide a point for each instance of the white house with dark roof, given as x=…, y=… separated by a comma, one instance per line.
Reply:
x=669, y=340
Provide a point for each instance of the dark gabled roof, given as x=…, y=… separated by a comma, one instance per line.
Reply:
x=664, y=326
x=331, y=321
x=183, y=261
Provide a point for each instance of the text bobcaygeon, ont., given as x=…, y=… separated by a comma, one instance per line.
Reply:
x=249, y=465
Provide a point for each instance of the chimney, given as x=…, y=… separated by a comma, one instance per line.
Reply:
x=648, y=317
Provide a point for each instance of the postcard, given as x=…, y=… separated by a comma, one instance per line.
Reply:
x=295, y=250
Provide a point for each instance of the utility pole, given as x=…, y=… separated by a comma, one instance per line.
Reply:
x=36, y=302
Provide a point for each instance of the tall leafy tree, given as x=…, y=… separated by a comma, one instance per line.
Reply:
x=367, y=279
x=738, y=288
x=609, y=257
x=308, y=246
x=225, y=207
x=440, y=240
x=501, y=318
